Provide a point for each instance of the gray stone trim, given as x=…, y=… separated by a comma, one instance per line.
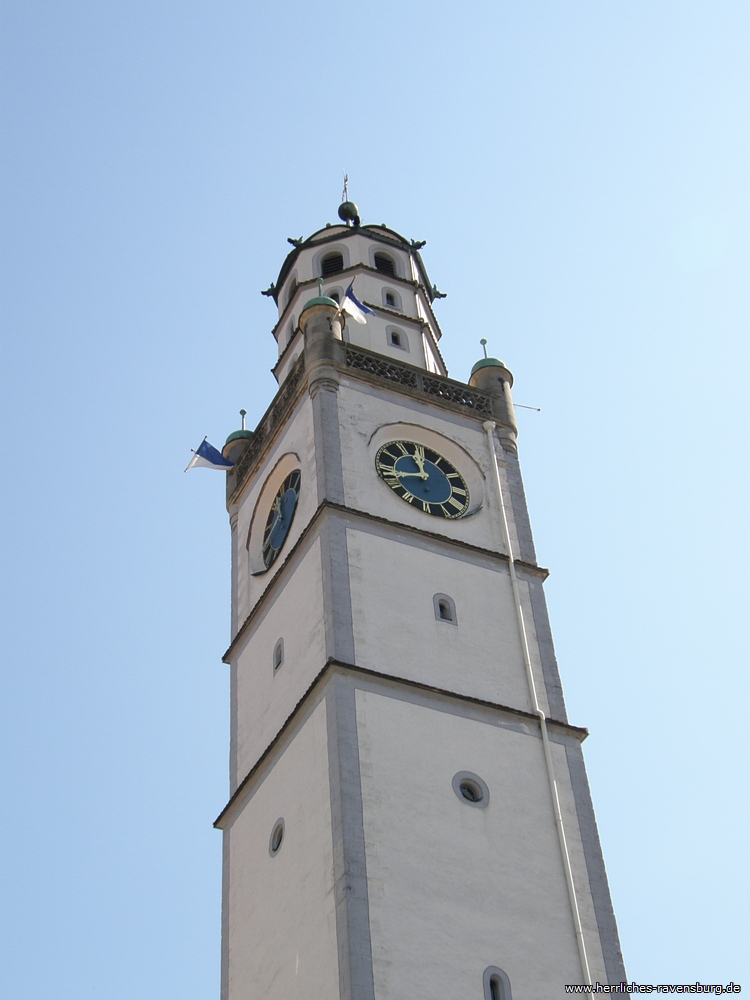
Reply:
x=337, y=600
x=592, y=852
x=408, y=690
x=328, y=464
x=349, y=858
x=526, y=550
x=550, y=672
x=407, y=531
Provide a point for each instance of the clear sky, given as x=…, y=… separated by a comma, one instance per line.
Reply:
x=580, y=172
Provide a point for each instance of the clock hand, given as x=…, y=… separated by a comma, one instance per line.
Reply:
x=413, y=475
x=418, y=457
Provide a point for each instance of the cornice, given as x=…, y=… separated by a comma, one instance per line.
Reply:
x=337, y=666
x=530, y=569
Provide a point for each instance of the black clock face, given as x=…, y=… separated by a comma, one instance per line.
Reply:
x=423, y=478
x=280, y=517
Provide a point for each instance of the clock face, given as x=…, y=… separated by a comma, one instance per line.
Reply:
x=423, y=478
x=280, y=517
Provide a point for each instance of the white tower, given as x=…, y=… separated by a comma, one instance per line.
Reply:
x=409, y=815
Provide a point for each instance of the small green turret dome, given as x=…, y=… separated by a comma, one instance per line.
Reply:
x=239, y=436
x=320, y=300
x=488, y=363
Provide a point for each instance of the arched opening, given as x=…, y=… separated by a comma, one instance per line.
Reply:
x=292, y=290
x=445, y=608
x=385, y=264
x=332, y=263
x=496, y=984
x=278, y=655
x=391, y=299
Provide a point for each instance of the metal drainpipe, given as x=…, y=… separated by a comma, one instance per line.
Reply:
x=489, y=426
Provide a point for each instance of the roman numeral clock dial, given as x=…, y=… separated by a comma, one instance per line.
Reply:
x=423, y=478
x=280, y=517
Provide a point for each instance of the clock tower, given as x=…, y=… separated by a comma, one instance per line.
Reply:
x=409, y=814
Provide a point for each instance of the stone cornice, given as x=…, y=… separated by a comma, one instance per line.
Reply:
x=529, y=569
x=332, y=666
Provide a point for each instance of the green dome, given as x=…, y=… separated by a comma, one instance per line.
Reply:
x=488, y=363
x=239, y=436
x=320, y=300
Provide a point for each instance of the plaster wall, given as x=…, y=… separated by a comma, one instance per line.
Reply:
x=281, y=924
x=393, y=580
x=263, y=699
x=454, y=888
x=296, y=439
x=368, y=415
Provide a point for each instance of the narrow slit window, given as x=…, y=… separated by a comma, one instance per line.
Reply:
x=390, y=299
x=396, y=339
x=332, y=263
x=278, y=655
x=385, y=265
x=277, y=837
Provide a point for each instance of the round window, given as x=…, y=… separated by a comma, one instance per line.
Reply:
x=471, y=789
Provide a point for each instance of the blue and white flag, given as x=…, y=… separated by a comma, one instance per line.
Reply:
x=354, y=308
x=208, y=457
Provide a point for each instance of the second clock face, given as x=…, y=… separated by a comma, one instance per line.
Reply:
x=423, y=478
x=280, y=517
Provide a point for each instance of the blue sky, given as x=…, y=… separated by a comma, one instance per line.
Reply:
x=579, y=171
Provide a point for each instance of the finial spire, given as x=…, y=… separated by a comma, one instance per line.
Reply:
x=483, y=342
x=320, y=287
x=345, y=192
x=243, y=414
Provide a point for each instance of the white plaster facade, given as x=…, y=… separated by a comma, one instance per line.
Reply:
x=387, y=884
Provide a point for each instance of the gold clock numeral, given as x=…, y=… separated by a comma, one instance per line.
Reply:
x=431, y=469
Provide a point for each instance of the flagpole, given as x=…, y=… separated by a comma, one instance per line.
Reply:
x=195, y=452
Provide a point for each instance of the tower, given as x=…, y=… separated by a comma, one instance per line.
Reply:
x=409, y=814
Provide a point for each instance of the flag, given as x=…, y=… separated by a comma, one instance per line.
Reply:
x=207, y=457
x=354, y=308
